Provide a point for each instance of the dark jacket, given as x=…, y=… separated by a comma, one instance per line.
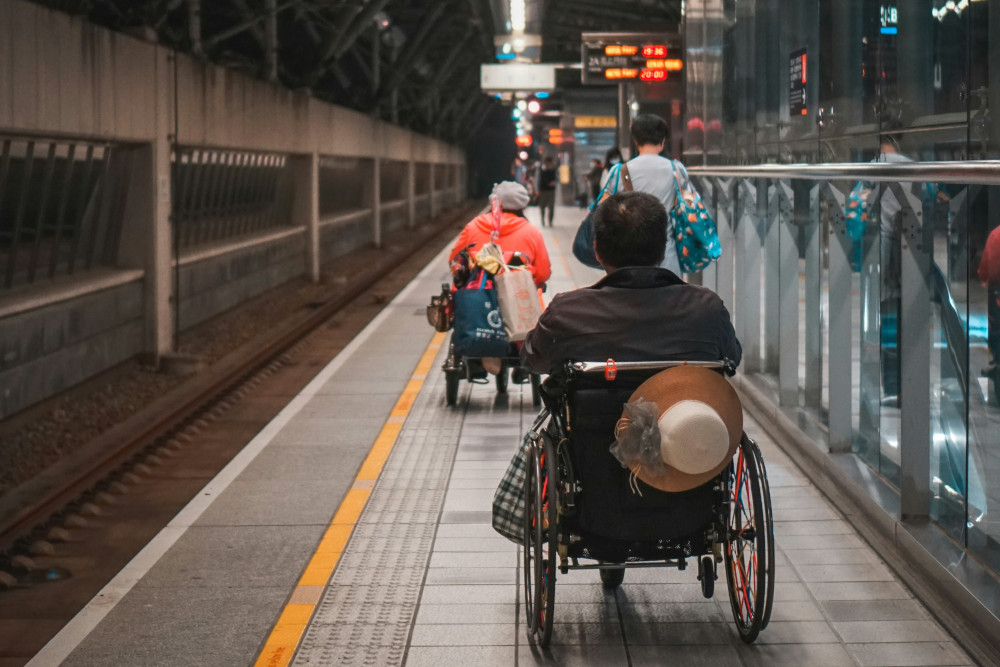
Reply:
x=633, y=314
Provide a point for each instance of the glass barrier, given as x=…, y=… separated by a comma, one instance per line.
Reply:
x=870, y=308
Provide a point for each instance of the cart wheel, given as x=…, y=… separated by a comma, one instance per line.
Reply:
x=451, y=387
x=502, y=378
x=706, y=574
x=613, y=578
x=749, y=546
x=536, y=392
x=540, y=541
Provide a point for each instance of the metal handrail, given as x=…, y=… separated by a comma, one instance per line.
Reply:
x=982, y=172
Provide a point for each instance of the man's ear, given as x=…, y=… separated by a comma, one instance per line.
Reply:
x=604, y=266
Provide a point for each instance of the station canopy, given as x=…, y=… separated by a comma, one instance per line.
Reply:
x=413, y=62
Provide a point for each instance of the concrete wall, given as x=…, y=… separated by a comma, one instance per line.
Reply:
x=213, y=284
x=395, y=215
x=63, y=77
x=342, y=234
x=50, y=348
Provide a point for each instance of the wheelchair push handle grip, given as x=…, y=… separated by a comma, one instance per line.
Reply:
x=728, y=367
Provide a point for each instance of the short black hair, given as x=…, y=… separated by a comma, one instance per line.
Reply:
x=649, y=129
x=630, y=229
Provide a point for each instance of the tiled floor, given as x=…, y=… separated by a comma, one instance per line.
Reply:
x=835, y=603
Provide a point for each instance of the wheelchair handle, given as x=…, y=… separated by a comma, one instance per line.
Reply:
x=600, y=366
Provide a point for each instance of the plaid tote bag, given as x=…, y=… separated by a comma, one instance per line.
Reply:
x=508, y=501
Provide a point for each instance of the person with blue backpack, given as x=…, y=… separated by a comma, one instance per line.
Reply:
x=692, y=240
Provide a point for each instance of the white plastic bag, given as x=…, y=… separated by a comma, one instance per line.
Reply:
x=520, y=305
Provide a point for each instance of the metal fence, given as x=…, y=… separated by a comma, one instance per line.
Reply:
x=221, y=195
x=61, y=207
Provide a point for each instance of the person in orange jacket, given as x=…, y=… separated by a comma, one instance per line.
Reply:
x=517, y=234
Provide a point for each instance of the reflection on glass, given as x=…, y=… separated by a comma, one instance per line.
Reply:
x=984, y=358
x=868, y=441
x=892, y=82
x=949, y=359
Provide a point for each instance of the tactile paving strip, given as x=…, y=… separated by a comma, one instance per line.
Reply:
x=368, y=607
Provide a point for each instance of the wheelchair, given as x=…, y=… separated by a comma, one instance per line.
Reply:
x=580, y=504
x=457, y=367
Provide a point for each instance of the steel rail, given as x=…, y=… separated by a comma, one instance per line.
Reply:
x=217, y=383
x=971, y=172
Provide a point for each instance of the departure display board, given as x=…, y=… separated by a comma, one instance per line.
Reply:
x=628, y=56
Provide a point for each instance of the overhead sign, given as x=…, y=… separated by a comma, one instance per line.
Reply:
x=630, y=56
x=517, y=76
x=595, y=121
x=518, y=48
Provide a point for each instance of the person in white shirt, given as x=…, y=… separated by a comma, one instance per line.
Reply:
x=652, y=173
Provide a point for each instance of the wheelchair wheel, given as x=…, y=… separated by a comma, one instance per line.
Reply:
x=765, y=489
x=451, y=379
x=613, y=578
x=749, y=547
x=706, y=575
x=536, y=390
x=540, y=541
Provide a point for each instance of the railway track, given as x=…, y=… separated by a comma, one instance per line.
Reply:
x=124, y=452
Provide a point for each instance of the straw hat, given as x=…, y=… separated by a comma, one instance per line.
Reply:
x=699, y=426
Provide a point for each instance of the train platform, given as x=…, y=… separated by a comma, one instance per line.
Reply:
x=355, y=529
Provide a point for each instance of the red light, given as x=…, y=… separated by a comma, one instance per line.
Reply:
x=524, y=140
x=654, y=51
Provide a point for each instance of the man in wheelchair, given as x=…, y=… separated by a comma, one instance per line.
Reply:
x=638, y=311
x=657, y=483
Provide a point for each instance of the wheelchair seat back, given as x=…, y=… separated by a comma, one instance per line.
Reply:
x=608, y=504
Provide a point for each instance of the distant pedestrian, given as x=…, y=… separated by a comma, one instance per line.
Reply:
x=547, y=189
x=611, y=158
x=594, y=178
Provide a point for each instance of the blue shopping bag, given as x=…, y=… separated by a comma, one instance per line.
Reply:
x=479, y=330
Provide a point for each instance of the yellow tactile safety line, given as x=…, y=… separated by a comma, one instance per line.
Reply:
x=288, y=631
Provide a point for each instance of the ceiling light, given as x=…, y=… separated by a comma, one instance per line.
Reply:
x=517, y=15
